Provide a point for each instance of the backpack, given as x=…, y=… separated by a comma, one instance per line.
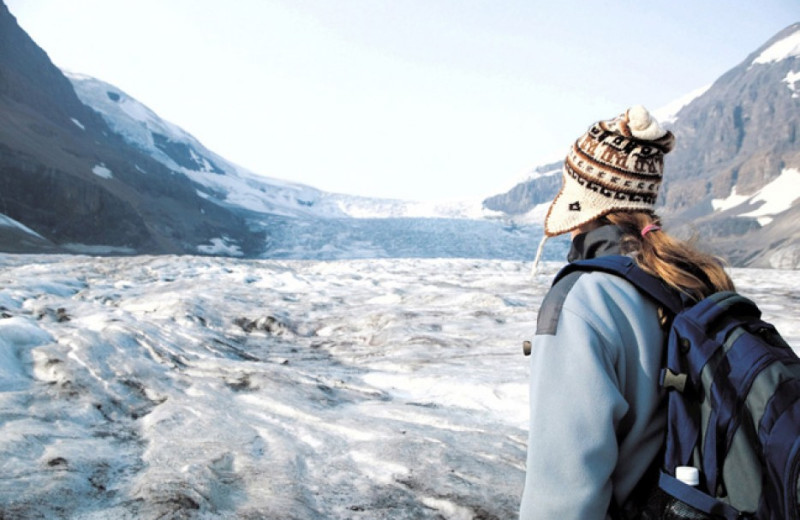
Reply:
x=733, y=394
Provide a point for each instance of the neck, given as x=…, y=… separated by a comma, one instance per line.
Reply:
x=600, y=241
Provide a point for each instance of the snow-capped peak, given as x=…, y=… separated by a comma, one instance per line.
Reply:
x=786, y=48
x=227, y=183
x=124, y=114
x=668, y=114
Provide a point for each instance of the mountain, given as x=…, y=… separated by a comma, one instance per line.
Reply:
x=86, y=168
x=66, y=176
x=526, y=195
x=738, y=153
x=18, y=238
x=215, y=179
x=299, y=221
x=732, y=179
x=231, y=185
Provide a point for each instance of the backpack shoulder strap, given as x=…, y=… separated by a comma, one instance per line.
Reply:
x=625, y=267
x=711, y=308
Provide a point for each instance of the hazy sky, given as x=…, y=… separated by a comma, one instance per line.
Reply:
x=415, y=99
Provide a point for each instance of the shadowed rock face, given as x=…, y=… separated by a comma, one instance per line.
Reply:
x=524, y=196
x=68, y=207
x=741, y=133
x=68, y=177
x=182, y=155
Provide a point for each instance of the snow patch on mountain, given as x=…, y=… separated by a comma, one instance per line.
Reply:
x=126, y=116
x=546, y=170
x=93, y=249
x=786, y=48
x=791, y=79
x=536, y=215
x=668, y=114
x=774, y=198
x=221, y=246
x=101, y=171
x=6, y=221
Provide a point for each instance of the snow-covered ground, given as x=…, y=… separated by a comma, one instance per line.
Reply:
x=197, y=387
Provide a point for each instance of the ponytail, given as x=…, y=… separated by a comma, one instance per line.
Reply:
x=681, y=266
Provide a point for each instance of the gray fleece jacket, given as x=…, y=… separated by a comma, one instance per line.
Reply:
x=596, y=413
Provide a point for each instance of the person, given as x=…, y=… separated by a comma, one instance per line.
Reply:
x=597, y=415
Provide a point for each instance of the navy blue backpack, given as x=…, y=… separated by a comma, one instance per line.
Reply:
x=733, y=391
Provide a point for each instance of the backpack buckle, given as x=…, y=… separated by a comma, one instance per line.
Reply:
x=671, y=380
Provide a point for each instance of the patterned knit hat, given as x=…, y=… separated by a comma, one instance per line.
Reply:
x=616, y=165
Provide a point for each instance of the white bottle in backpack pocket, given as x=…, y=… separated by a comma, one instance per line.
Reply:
x=688, y=475
x=676, y=509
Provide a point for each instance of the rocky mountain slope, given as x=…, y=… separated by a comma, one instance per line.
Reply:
x=231, y=185
x=84, y=167
x=732, y=179
x=65, y=175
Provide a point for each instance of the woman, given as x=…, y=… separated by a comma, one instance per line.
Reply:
x=597, y=417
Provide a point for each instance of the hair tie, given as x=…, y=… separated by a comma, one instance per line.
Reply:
x=650, y=227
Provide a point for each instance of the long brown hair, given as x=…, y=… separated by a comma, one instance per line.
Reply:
x=678, y=263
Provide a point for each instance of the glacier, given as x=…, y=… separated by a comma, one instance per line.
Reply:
x=215, y=388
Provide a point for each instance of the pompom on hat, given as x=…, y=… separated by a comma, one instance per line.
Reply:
x=616, y=165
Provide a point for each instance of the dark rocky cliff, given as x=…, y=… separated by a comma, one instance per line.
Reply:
x=541, y=188
x=51, y=146
x=742, y=132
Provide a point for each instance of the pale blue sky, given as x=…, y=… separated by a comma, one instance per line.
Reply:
x=414, y=99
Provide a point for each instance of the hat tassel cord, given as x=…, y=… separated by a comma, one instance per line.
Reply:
x=539, y=251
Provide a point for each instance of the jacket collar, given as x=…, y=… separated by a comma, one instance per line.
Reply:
x=601, y=241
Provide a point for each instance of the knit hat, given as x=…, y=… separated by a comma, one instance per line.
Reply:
x=616, y=165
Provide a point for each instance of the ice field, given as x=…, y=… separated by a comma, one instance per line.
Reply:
x=201, y=387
